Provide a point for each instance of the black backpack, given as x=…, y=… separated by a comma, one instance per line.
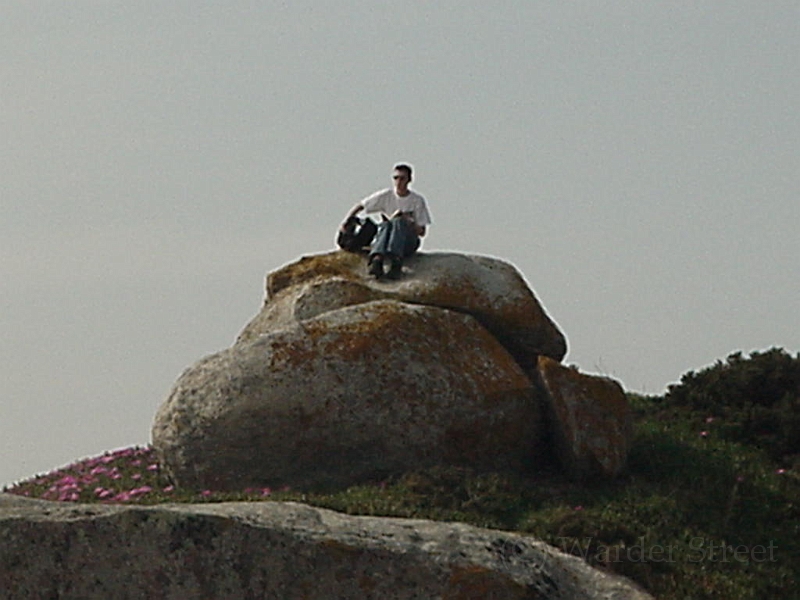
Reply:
x=357, y=234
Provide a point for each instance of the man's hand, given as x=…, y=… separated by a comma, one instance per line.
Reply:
x=353, y=212
x=408, y=216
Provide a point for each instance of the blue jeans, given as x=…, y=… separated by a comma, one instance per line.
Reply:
x=396, y=238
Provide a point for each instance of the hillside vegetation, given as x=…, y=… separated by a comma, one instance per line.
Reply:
x=709, y=508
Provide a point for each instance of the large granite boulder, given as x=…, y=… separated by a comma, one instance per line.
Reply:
x=489, y=289
x=590, y=420
x=341, y=378
x=355, y=393
x=275, y=550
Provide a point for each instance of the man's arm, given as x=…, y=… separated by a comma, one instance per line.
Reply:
x=408, y=216
x=353, y=212
x=423, y=216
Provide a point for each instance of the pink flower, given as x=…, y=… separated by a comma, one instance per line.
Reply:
x=781, y=471
x=103, y=493
x=169, y=488
x=136, y=476
x=153, y=467
x=709, y=420
x=206, y=493
x=578, y=508
x=703, y=433
x=266, y=491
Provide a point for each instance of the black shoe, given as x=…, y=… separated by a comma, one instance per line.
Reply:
x=376, y=267
x=397, y=269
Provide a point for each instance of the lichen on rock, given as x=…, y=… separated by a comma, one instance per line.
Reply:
x=356, y=393
x=340, y=378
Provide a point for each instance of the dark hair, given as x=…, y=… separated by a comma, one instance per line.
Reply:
x=404, y=167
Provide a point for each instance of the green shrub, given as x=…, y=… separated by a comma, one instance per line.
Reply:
x=754, y=400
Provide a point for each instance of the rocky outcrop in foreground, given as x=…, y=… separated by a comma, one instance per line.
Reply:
x=275, y=550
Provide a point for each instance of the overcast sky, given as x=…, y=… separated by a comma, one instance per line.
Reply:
x=639, y=162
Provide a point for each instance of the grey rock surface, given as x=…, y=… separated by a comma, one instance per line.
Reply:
x=275, y=550
x=355, y=393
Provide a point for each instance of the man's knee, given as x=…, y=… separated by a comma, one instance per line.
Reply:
x=412, y=246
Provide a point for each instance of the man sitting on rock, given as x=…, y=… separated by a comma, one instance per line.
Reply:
x=399, y=234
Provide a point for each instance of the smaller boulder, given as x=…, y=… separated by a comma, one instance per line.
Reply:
x=590, y=420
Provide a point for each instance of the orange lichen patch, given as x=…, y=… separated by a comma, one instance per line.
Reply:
x=392, y=324
x=306, y=301
x=291, y=353
x=473, y=582
x=353, y=338
x=592, y=418
x=384, y=327
x=340, y=550
x=337, y=263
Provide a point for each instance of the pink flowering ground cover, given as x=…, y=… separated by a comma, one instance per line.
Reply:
x=122, y=476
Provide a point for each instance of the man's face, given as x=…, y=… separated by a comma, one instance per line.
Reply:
x=401, y=181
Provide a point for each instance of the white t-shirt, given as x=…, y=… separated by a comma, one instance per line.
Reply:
x=388, y=202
